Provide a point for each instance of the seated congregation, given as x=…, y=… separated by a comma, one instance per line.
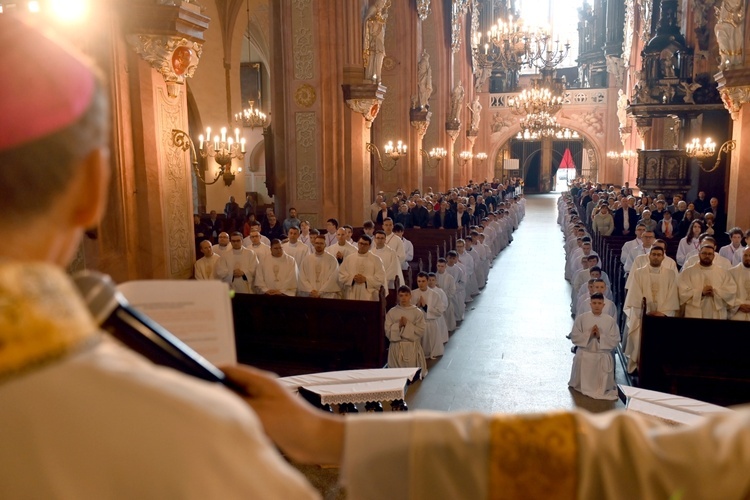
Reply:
x=422, y=276
x=637, y=274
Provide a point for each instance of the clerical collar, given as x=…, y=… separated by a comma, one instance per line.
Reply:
x=42, y=317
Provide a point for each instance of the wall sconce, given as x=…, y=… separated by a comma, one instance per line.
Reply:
x=463, y=157
x=222, y=149
x=480, y=156
x=695, y=149
x=393, y=152
x=626, y=155
x=436, y=154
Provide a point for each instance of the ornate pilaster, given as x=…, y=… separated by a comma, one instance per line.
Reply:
x=169, y=38
x=734, y=88
x=365, y=98
x=453, y=129
x=175, y=58
x=420, y=120
x=471, y=136
x=423, y=9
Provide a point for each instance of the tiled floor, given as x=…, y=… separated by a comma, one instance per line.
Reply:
x=510, y=353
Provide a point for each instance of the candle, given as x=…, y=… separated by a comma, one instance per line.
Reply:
x=236, y=135
x=200, y=139
x=242, y=145
x=216, y=143
x=223, y=134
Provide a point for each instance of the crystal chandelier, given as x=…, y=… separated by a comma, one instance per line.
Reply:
x=536, y=100
x=542, y=125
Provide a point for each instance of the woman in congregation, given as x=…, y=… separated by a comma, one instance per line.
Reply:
x=689, y=244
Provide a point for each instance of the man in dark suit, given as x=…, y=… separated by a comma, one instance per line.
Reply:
x=419, y=214
x=620, y=224
x=463, y=218
x=444, y=218
x=701, y=203
x=720, y=218
x=215, y=224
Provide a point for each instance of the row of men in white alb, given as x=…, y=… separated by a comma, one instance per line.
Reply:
x=418, y=326
x=707, y=286
x=595, y=333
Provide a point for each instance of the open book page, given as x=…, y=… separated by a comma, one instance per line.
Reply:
x=197, y=312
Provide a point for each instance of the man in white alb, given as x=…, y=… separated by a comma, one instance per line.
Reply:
x=429, y=301
x=341, y=248
x=447, y=284
x=405, y=327
x=658, y=285
x=362, y=274
x=389, y=258
x=706, y=289
x=238, y=266
x=458, y=271
x=204, y=267
x=223, y=245
x=277, y=274
x=294, y=247
x=432, y=283
x=596, y=335
x=394, y=241
x=256, y=245
x=740, y=310
x=408, y=246
x=319, y=273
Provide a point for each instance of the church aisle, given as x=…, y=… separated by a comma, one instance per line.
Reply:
x=510, y=353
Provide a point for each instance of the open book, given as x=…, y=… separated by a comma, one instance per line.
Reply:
x=197, y=312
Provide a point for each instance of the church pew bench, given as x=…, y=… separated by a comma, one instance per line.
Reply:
x=697, y=358
x=300, y=335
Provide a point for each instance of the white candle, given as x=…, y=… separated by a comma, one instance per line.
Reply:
x=200, y=139
x=242, y=145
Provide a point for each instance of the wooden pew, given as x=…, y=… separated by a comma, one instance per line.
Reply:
x=301, y=335
x=697, y=358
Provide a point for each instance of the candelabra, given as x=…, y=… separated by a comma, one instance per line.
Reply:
x=252, y=117
x=436, y=154
x=626, y=155
x=222, y=149
x=394, y=153
x=481, y=157
x=695, y=149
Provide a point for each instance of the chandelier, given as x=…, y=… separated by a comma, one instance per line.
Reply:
x=695, y=149
x=506, y=46
x=537, y=126
x=627, y=155
x=223, y=149
x=536, y=100
x=252, y=117
x=543, y=53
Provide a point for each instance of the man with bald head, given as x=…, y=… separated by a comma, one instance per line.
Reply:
x=706, y=290
x=204, y=267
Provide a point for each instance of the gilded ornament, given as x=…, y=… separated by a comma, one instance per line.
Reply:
x=305, y=96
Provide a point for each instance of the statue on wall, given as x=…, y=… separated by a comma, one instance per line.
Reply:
x=374, y=42
x=457, y=103
x=730, y=32
x=424, y=80
x=622, y=104
x=476, y=113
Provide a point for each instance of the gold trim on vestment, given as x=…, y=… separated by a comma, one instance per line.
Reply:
x=533, y=457
x=42, y=316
